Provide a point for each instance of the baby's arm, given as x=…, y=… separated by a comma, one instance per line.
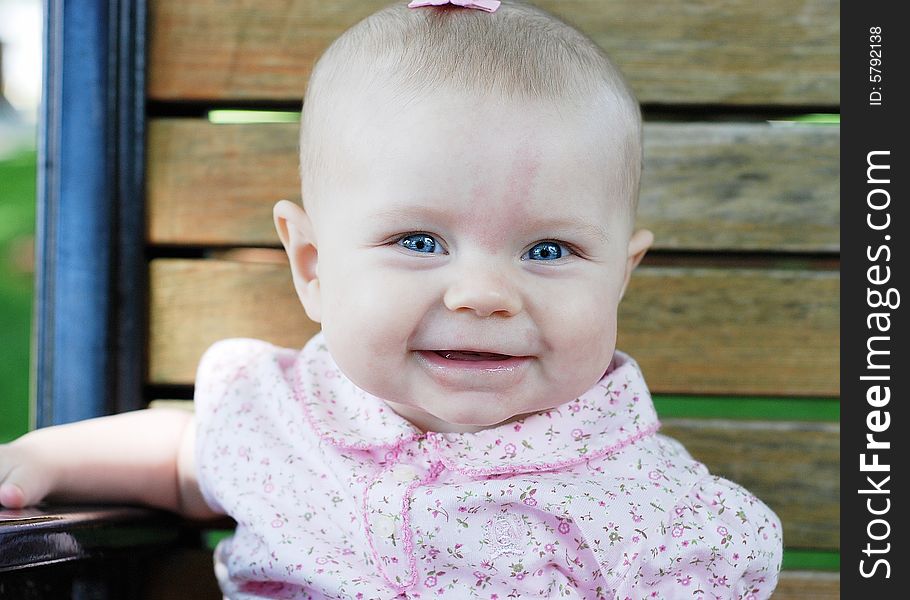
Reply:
x=141, y=457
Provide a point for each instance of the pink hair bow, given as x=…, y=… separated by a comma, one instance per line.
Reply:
x=487, y=5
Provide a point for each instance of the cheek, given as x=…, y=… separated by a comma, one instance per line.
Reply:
x=361, y=319
x=370, y=307
x=586, y=337
x=583, y=329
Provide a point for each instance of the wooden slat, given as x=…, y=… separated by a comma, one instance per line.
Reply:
x=195, y=303
x=793, y=467
x=216, y=184
x=183, y=573
x=734, y=331
x=741, y=187
x=672, y=51
x=706, y=186
x=723, y=331
x=807, y=585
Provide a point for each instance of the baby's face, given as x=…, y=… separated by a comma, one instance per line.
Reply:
x=469, y=268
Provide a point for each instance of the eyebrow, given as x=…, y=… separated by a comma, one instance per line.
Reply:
x=571, y=225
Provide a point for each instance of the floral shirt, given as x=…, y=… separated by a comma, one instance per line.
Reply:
x=336, y=496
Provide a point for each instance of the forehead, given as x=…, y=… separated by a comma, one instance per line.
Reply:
x=473, y=157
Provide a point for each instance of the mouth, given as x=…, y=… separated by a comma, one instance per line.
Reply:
x=472, y=367
x=470, y=355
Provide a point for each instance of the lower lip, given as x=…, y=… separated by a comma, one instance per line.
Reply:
x=508, y=364
x=507, y=370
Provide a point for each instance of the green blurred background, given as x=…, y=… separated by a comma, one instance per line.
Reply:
x=20, y=92
x=17, y=226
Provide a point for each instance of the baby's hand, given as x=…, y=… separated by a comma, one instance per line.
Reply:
x=27, y=474
x=129, y=458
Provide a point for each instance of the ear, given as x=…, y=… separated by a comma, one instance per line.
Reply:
x=296, y=233
x=639, y=243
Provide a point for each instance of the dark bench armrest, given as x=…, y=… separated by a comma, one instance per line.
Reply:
x=124, y=552
x=46, y=535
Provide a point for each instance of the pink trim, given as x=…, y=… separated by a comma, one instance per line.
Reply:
x=550, y=466
x=366, y=523
x=434, y=472
x=366, y=519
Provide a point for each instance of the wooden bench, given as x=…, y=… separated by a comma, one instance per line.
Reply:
x=733, y=315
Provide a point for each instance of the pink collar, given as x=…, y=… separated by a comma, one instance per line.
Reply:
x=616, y=412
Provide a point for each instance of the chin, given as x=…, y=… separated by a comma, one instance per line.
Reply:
x=447, y=420
x=473, y=421
x=462, y=423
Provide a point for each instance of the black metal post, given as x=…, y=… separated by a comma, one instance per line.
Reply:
x=89, y=309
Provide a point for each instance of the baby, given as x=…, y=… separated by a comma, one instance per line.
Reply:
x=463, y=425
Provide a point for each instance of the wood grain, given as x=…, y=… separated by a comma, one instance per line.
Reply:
x=729, y=186
x=807, y=585
x=672, y=51
x=216, y=184
x=194, y=303
x=706, y=186
x=793, y=467
x=724, y=331
x=734, y=331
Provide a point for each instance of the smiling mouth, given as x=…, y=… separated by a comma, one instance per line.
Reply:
x=472, y=369
x=470, y=356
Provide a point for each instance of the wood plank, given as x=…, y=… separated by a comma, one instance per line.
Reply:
x=807, y=585
x=706, y=186
x=672, y=51
x=793, y=467
x=737, y=186
x=734, y=331
x=194, y=303
x=183, y=573
x=216, y=184
x=725, y=331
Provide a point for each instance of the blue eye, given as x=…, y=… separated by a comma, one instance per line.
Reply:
x=420, y=242
x=546, y=251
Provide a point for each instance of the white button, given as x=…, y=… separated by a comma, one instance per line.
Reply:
x=383, y=526
x=405, y=473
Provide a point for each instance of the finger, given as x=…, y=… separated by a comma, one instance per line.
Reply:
x=18, y=491
x=11, y=495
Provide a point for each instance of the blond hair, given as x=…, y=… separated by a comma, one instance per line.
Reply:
x=520, y=52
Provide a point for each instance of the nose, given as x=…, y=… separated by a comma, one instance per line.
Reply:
x=484, y=291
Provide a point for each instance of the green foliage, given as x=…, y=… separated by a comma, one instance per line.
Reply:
x=811, y=560
x=818, y=119
x=17, y=226
x=742, y=407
